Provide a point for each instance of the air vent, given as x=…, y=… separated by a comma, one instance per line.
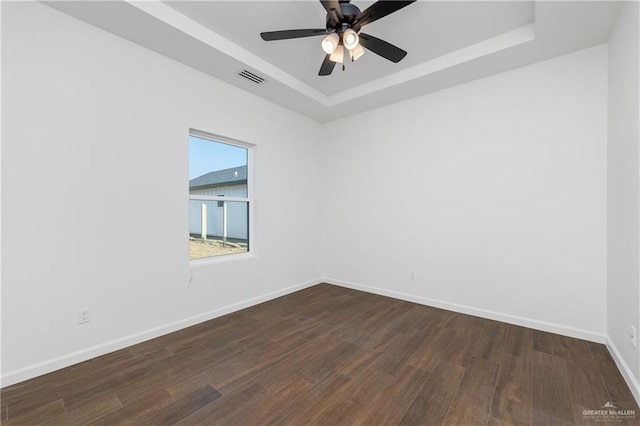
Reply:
x=251, y=77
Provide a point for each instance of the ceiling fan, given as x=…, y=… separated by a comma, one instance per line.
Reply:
x=344, y=21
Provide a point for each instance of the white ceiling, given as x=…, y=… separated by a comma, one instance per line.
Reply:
x=448, y=43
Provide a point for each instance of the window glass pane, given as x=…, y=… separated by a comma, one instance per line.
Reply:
x=219, y=226
x=216, y=168
x=224, y=229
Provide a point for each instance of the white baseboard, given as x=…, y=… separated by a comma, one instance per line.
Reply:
x=624, y=370
x=35, y=370
x=482, y=313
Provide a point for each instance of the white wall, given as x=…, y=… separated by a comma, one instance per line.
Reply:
x=94, y=137
x=623, y=221
x=494, y=192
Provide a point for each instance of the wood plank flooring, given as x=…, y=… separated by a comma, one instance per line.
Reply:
x=330, y=355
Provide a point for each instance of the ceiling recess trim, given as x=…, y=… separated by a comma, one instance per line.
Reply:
x=172, y=17
x=504, y=41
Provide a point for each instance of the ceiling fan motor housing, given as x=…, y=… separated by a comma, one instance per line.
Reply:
x=349, y=13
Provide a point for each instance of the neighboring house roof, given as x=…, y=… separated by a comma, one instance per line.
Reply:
x=226, y=177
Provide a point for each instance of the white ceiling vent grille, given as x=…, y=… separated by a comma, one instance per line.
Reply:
x=251, y=77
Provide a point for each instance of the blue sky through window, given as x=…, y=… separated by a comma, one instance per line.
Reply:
x=207, y=156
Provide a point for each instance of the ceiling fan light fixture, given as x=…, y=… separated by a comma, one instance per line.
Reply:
x=340, y=34
x=337, y=55
x=330, y=43
x=357, y=52
x=350, y=39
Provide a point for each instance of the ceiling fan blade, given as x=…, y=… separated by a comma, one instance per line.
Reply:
x=378, y=10
x=287, y=34
x=382, y=48
x=333, y=8
x=327, y=66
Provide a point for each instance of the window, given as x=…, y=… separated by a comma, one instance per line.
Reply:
x=219, y=196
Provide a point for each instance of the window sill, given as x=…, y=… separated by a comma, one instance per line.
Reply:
x=206, y=261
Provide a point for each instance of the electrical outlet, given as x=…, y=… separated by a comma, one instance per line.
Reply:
x=83, y=316
x=632, y=336
x=412, y=274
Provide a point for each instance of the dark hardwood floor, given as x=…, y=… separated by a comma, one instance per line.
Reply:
x=329, y=355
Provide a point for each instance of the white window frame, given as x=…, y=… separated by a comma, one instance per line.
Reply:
x=248, y=199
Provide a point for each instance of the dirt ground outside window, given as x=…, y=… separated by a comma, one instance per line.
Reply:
x=214, y=247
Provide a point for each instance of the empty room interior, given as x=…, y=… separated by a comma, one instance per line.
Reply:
x=418, y=212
